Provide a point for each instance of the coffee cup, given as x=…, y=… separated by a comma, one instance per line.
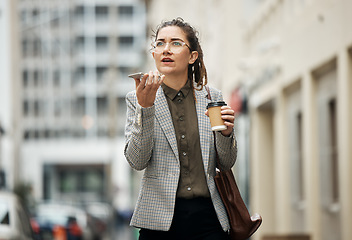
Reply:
x=214, y=110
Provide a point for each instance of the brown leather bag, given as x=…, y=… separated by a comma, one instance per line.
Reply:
x=242, y=225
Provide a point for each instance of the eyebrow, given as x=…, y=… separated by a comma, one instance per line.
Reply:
x=172, y=39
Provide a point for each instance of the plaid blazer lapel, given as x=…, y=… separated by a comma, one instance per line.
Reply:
x=163, y=116
x=203, y=125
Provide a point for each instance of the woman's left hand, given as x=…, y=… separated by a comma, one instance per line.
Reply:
x=227, y=114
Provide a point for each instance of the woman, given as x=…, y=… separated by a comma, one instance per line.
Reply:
x=168, y=135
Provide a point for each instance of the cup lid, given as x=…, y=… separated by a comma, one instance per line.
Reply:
x=216, y=104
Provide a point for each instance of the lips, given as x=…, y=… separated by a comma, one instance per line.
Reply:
x=167, y=60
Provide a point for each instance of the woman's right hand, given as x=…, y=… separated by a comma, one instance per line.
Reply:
x=146, y=88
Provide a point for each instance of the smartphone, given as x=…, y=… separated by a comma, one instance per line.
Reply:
x=136, y=75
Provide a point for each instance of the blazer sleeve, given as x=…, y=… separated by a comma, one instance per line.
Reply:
x=227, y=150
x=226, y=146
x=139, y=130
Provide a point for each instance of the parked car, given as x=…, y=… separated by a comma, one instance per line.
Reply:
x=62, y=221
x=14, y=220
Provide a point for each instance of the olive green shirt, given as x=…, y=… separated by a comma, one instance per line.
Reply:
x=192, y=182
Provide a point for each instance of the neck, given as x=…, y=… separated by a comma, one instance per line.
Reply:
x=175, y=82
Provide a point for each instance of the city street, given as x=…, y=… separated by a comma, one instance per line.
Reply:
x=81, y=145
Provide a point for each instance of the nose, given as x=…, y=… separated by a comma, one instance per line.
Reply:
x=167, y=48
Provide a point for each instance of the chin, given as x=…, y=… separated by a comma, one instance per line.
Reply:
x=165, y=71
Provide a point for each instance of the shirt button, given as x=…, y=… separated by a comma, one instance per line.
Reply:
x=189, y=189
x=184, y=153
x=183, y=136
x=179, y=100
x=179, y=94
x=181, y=118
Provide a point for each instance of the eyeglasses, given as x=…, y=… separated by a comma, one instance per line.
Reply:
x=175, y=46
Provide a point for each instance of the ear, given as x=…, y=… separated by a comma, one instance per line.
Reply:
x=193, y=57
x=153, y=54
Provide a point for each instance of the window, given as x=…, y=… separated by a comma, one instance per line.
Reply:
x=101, y=12
x=77, y=179
x=55, y=18
x=25, y=47
x=100, y=72
x=56, y=78
x=57, y=108
x=25, y=78
x=37, y=47
x=80, y=104
x=79, y=42
x=23, y=16
x=27, y=134
x=79, y=74
x=36, y=134
x=102, y=105
x=79, y=13
x=36, y=108
x=93, y=180
x=125, y=11
x=35, y=12
x=36, y=78
x=126, y=41
x=299, y=159
x=79, y=10
x=69, y=181
x=101, y=42
x=333, y=152
x=25, y=108
x=46, y=133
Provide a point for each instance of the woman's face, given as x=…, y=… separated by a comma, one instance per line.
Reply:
x=173, y=63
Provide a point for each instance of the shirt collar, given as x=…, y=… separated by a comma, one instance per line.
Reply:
x=172, y=93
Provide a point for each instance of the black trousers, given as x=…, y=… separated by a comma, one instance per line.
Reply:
x=194, y=219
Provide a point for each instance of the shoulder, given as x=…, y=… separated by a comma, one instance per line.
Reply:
x=213, y=89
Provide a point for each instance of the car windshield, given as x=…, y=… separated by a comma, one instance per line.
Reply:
x=4, y=213
x=52, y=219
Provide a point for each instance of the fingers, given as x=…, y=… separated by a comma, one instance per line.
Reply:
x=151, y=80
x=140, y=83
x=147, y=87
x=154, y=79
x=228, y=114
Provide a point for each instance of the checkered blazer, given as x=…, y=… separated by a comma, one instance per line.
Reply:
x=151, y=146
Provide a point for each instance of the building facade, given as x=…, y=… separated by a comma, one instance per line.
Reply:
x=9, y=144
x=75, y=58
x=291, y=62
x=297, y=72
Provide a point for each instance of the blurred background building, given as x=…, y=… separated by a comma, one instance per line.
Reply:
x=284, y=65
x=297, y=72
x=70, y=61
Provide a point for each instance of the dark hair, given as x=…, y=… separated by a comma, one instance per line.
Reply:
x=196, y=71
